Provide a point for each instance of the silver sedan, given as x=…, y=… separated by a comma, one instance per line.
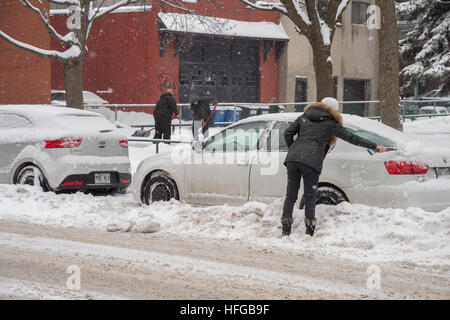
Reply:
x=62, y=149
x=244, y=162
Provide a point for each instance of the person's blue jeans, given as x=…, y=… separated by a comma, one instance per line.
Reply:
x=295, y=172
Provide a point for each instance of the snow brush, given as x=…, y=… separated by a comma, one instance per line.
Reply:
x=373, y=151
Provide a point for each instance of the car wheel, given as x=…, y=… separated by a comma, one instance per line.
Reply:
x=160, y=188
x=327, y=195
x=33, y=176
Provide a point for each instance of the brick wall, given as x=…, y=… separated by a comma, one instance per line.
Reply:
x=24, y=77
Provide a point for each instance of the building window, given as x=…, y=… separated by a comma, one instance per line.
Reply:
x=359, y=12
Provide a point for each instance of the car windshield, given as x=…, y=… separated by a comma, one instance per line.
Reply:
x=90, y=96
x=373, y=137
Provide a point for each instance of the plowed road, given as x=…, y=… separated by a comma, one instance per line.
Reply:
x=34, y=261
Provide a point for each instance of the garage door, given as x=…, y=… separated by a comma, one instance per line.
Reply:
x=224, y=69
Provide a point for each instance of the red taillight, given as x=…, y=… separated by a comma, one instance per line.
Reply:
x=63, y=143
x=404, y=167
x=73, y=183
x=124, y=143
x=126, y=181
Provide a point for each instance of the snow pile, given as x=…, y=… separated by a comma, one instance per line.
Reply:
x=362, y=233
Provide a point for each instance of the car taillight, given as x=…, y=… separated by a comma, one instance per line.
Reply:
x=404, y=167
x=124, y=143
x=63, y=143
x=126, y=181
x=73, y=183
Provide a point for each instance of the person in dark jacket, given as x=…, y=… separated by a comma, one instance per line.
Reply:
x=318, y=129
x=201, y=115
x=165, y=109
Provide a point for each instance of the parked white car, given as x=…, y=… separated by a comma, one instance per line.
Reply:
x=254, y=151
x=90, y=101
x=62, y=149
x=433, y=110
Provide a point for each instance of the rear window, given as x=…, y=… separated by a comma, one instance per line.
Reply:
x=59, y=96
x=373, y=137
x=84, y=122
x=13, y=121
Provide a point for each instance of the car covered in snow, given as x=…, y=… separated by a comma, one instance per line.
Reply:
x=244, y=162
x=62, y=149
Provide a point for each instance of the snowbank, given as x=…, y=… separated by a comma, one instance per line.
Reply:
x=357, y=232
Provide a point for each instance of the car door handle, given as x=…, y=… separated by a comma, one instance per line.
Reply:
x=242, y=163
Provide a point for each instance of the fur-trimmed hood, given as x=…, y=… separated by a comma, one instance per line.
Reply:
x=321, y=112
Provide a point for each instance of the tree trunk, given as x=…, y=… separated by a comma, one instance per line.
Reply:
x=388, y=67
x=323, y=69
x=73, y=78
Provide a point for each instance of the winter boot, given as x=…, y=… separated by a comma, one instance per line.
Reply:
x=286, y=223
x=310, y=224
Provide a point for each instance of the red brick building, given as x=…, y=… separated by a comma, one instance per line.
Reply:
x=136, y=54
x=24, y=77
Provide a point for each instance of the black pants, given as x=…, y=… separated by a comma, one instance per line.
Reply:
x=295, y=171
x=162, y=128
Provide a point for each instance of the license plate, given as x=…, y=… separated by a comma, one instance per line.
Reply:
x=102, y=178
x=443, y=172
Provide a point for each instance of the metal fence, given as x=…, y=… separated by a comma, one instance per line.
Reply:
x=410, y=109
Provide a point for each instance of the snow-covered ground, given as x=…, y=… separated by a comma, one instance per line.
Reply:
x=358, y=232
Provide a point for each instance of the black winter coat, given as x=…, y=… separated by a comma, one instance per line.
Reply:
x=166, y=107
x=201, y=111
x=317, y=129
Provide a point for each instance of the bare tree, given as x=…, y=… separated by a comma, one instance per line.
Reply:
x=388, y=68
x=317, y=29
x=83, y=13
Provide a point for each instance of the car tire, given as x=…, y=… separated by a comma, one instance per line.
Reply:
x=327, y=195
x=29, y=174
x=160, y=188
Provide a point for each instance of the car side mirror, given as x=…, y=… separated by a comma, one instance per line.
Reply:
x=197, y=146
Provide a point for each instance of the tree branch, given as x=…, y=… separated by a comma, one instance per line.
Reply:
x=64, y=40
x=266, y=6
x=100, y=12
x=298, y=16
x=66, y=2
x=72, y=52
x=334, y=12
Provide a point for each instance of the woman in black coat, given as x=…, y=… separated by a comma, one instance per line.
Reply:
x=318, y=129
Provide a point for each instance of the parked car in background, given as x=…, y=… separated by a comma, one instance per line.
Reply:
x=244, y=162
x=62, y=149
x=58, y=98
x=430, y=98
x=433, y=110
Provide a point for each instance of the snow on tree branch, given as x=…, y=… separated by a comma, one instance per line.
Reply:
x=101, y=11
x=71, y=53
x=66, y=2
x=341, y=9
x=425, y=51
x=69, y=38
x=263, y=5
